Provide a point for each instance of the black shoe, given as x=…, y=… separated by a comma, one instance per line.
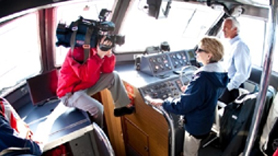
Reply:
x=123, y=111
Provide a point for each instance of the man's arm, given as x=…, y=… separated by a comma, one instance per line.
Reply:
x=243, y=66
x=88, y=69
x=99, y=61
x=108, y=57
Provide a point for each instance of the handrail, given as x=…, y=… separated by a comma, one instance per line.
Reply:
x=104, y=139
x=170, y=122
x=260, y=103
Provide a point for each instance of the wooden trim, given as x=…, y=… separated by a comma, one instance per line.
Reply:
x=114, y=125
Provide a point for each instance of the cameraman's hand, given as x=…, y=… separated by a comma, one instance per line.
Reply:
x=101, y=53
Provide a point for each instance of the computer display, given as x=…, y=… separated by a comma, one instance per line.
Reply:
x=191, y=54
x=43, y=87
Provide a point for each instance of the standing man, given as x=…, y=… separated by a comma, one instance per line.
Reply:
x=238, y=61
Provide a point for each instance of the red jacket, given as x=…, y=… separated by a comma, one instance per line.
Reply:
x=74, y=76
x=276, y=152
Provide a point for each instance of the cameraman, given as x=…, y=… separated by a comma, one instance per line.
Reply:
x=77, y=82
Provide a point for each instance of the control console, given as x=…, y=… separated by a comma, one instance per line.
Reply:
x=178, y=62
x=155, y=64
x=164, y=63
x=178, y=59
x=170, y=87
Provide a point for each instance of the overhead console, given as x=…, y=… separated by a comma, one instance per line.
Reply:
x=165, y=63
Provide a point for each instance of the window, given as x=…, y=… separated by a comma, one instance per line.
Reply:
x=69, y=13
x=275, y=55
x=19, y=50
x=254, y=37
x=182, y=29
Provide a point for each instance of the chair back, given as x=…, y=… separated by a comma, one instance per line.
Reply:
x=16, y=151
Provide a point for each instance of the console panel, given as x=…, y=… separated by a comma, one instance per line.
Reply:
x=165, y=63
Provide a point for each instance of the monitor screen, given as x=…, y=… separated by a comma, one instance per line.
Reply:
x=43, y=87
x=191, y=54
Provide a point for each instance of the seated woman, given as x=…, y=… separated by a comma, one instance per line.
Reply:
x=197, y=103
x=14, y=132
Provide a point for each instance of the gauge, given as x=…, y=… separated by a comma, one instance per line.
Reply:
x=158, y=59
x=178, y=56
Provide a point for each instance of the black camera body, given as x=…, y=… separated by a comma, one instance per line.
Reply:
x=87, y=33
x=115, y=39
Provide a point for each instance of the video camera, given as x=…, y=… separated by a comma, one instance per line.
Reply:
x=87, y=33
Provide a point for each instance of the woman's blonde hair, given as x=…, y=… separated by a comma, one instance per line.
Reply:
x=214, y=46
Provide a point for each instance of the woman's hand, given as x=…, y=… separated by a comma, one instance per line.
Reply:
x=154, y=102
x=183, y=88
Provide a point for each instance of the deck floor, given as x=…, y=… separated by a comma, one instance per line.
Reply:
x=212, y=149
